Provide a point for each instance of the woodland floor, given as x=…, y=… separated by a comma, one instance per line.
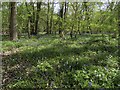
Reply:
x=88, y=61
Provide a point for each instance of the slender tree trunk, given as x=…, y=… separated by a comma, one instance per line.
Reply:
x=71, y=33
x=86, y=16
x=32, y=20
x=28, y=26
x=48, y=28
x=37, y=17
x=61, y=17
x=79, y=23
x=65, y=11
x=28, y=29
x=51, y=20
x=74, y=19
x=13, y=21
x=65, y=14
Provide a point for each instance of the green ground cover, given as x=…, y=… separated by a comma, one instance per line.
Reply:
x=89, y=61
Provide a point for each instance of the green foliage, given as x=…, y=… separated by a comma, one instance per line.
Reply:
x=49, y=62
x=88, y=16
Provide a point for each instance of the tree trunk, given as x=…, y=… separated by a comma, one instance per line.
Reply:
x=71, y=33
x=61, y=18
x=48, y=18
x=79, y=25
x=65, y=16
x=32, y=19
x=51, y=20
x=13, y=21
x=28, y=25
x=37, y=17
x=75, y=8
x=76, y=17
x=86, y=8
x=28, y=29
x=65, y=10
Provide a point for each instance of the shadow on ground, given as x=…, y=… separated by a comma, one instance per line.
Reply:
x=59, y=62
